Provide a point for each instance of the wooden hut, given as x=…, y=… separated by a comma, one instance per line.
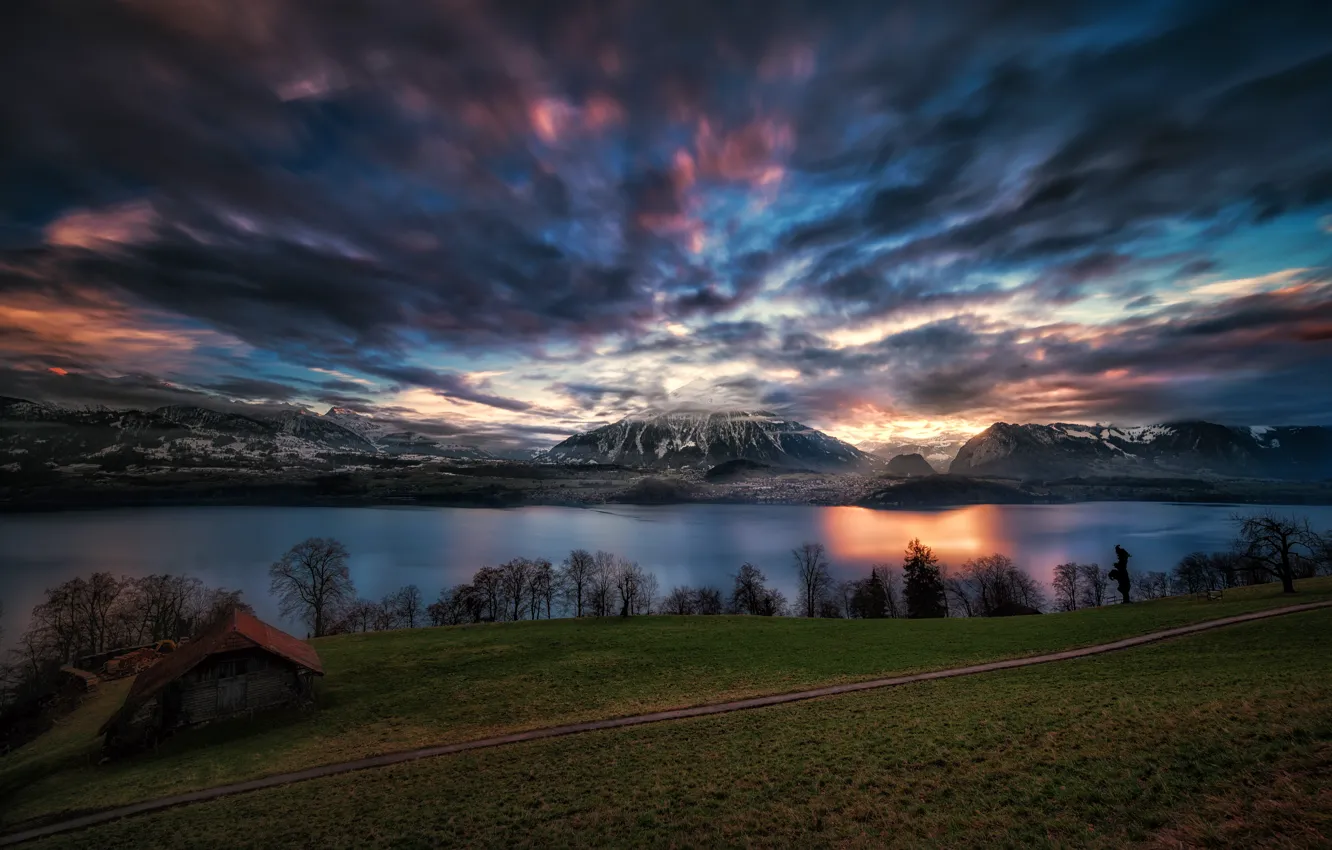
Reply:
x=240, y=665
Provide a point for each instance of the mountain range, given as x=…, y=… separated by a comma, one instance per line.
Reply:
x=45, y=435
x=36, y=437
x=704, y=439
x=1062, y=450
x=938, y=451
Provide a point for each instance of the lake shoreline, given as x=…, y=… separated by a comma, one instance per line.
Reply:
x=401, y=543
x=299, y=500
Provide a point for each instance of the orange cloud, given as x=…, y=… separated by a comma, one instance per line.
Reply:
x=57, y=370
x=124, y=224
x=94, y=328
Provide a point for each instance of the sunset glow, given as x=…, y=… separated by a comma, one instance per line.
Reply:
x=887, y=223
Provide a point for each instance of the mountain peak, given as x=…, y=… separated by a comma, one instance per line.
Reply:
x=675, y=439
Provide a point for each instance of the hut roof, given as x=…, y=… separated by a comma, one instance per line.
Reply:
x=238, y=630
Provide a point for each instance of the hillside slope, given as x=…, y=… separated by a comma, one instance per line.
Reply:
x=397, y=690
x=1214, y=740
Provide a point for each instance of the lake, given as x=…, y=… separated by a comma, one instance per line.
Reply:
x=682, y=544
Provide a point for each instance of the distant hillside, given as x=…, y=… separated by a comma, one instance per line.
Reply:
x=912, y=465
x=948, y=490
x=706, y=439
x=35, y=436
x=1181, y=448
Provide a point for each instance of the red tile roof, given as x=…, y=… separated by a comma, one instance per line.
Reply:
x=238, y=630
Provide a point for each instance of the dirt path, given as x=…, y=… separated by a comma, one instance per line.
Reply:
x=621, y=722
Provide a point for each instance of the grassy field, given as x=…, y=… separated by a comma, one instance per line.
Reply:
x=1221, y=739
x=397, y=690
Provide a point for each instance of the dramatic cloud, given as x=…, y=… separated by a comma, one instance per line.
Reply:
x=512, y=219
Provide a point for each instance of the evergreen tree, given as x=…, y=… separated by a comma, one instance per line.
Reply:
x=871, y=598
x=924, y=587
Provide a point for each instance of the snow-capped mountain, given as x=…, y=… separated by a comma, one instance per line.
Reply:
x=36, y=436
x=938, y=451
x=1180, y=448
x=707, y=438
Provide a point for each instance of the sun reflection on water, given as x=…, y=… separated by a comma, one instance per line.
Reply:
x=862, y=534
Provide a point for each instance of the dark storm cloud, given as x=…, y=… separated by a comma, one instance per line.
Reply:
x=1224, y=107
x=237, y=387
x=346, y=186
x=589, y=396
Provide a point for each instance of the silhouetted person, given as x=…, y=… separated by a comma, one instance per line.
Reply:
x=1120, y=573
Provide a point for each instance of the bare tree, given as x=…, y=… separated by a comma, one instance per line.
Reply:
x=360, y=615
x=1193, y=573
x=811, y=563
x=1066, y=586
x=78, y=616
x=577, y=573
x=489, y=583
x=681, y=600
x=601, y=591
x=312, y=581
x=1279, y=546
x=629, y=579
x=541, y=589
x=462, y=603
x=438, y=611
x=997, y=585
x=1094, y=583
x=774, y=603
x=960, y=596
x=1152, y=585
x=749, y=591
x=166, y=605
x=1324, y=553
x=386, y=614
x=845, y=593
x=514, y=577
x=408, y=607
x=649, y=592
x=215, y=603
x=708, y=600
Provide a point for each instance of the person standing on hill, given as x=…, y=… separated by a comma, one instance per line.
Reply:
x=1120, y=573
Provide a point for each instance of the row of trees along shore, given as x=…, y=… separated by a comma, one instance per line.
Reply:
x=312, y=584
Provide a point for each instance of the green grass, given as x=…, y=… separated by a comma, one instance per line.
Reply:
x=397, y=690
x=1221, y=739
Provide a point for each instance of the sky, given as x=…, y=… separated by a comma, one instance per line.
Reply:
x=509, y=221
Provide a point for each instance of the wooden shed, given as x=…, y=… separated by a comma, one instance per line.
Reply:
x=238, y=666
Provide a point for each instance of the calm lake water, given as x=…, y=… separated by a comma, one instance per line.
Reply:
x=682, y=544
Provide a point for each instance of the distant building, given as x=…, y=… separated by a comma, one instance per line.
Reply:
x=238, y=666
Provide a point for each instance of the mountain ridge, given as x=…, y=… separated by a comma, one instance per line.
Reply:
x=703, y=439
x=1296, y=452
x=192, y=436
